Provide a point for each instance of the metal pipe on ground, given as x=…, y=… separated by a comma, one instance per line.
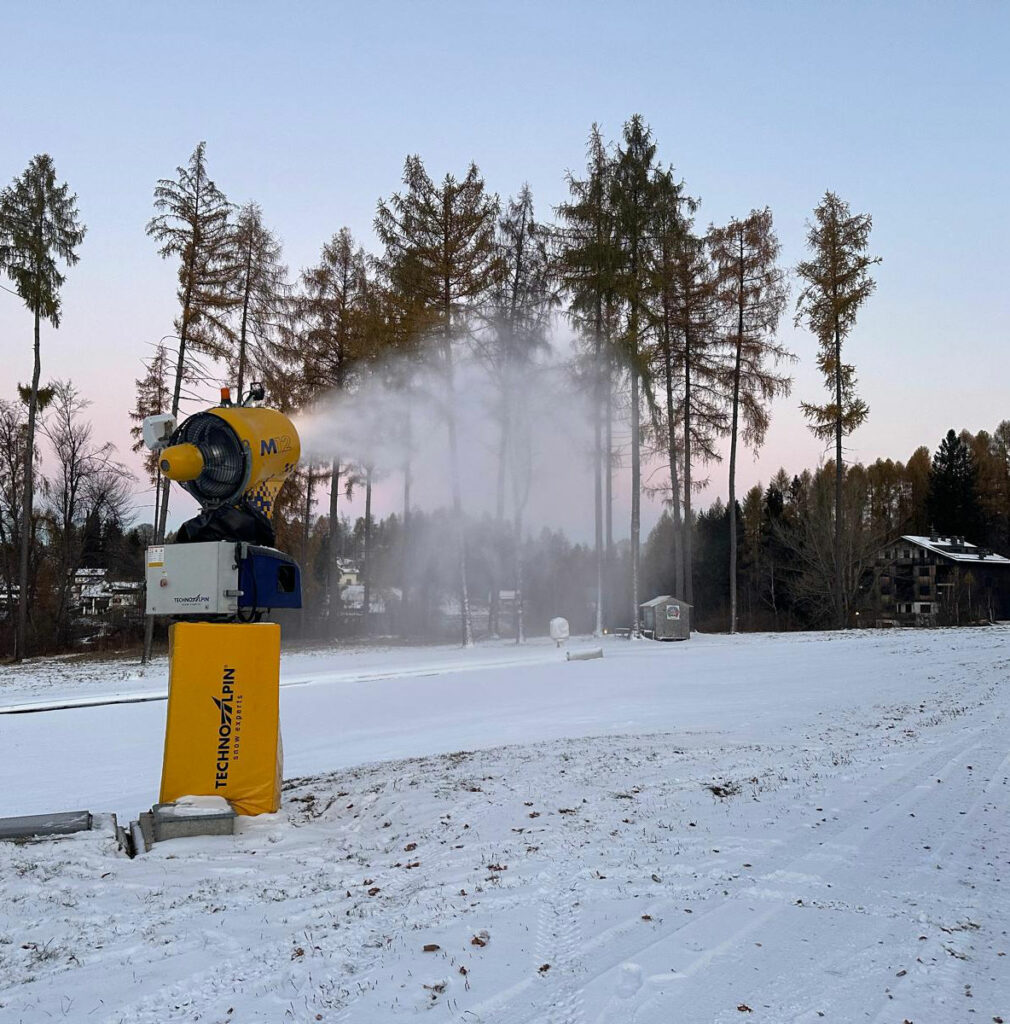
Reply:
x=594, y=652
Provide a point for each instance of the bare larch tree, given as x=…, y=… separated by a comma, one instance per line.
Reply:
x=836, y=284
x=752, y=294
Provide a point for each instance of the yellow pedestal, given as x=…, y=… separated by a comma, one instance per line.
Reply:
x=222, y=737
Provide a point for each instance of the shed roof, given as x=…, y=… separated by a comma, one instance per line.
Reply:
x=664, y=599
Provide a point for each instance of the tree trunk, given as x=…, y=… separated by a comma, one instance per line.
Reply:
x=405, y=545
x=774, y=596
x=839, y=600
x=333, y=556
x=307, y=516
x=517, y=555
x=21, y=642
x=608, y=504
x=518, y=541
x=688, y=518
x=162, y=520
x=494, y=610
x=678, y=546
x=306, y=536
x=457, y=510
x=457, y=496
x=368, y=550
x=732, y=457
x=636, y=499
x=245, y=320
x=598, y=471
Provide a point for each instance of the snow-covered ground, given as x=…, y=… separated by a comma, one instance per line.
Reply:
x=769, y=828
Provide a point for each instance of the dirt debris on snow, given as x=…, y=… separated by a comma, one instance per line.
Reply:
x=814, y=883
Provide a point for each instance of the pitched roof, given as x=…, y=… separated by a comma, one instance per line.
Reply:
x=964, y=552
x=664, y=599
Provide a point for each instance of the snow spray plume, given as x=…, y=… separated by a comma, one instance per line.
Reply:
x=397, y=413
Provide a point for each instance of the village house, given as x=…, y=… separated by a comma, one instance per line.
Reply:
x=93, y=594
x=940, y=580
x=350, y=574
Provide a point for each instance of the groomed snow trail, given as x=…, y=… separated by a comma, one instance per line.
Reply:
x=833, y=852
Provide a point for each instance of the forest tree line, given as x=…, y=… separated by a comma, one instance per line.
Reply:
x=677, y=328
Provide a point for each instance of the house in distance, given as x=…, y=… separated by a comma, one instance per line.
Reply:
x=940, y=580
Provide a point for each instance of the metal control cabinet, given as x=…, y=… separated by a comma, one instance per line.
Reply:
x=193, y=579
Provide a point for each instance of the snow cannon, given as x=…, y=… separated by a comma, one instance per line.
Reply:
x=232, y=455
x=217, y=581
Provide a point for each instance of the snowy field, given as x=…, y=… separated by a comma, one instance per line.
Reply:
x=755, y=828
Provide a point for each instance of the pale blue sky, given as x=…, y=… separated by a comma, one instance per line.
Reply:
x=310, y=108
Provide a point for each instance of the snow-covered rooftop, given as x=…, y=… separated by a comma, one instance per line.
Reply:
x=663, y=599
x=957, y=551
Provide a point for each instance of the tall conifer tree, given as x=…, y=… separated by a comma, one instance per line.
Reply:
x=752, y=294
x=39, y=228
x=703, y=410
x=259, y=294
x=328, y=346
x=519, y=309
x=953, y=488
x=440, y=248
x=836, y=284
x=671, y=219
x=587, y=261
x=634, y=196
x=191, y=225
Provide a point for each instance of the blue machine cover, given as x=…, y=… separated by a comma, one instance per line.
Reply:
x=269, y=579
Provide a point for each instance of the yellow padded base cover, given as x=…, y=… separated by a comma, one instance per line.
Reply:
x=222, y=736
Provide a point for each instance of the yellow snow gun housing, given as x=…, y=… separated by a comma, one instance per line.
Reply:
x=233, y=455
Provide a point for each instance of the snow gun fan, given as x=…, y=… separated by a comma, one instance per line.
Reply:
x=233, y=461
x=217, y=581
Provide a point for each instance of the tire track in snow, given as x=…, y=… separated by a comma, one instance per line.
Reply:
x=559, y=942
x=718, y=930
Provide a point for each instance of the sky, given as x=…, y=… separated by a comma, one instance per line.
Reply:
x=310, y=109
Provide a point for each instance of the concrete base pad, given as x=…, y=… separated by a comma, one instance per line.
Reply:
x=177, y=821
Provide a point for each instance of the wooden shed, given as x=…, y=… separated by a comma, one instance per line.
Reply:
x=666, y=618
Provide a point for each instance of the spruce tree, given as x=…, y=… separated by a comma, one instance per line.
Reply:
x=587, y=258
x=836, y=284
x=953, y=501
x=634, y=201
x=752, y=296
x=440, y=249
x=39, y=228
